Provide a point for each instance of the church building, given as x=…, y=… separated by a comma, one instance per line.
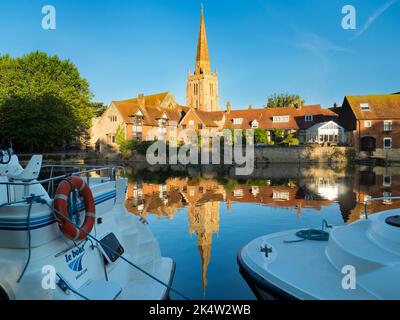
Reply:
x=158, y=116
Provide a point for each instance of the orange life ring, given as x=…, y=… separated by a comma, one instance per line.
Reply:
x=61, y=205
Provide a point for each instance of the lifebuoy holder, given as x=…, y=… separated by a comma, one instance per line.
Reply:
x=64, y=189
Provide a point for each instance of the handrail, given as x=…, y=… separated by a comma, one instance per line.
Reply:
x=376, y=199
x=78, y=173
x=110, y=169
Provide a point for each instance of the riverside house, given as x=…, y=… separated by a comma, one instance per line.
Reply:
x=299, y=120
x=152, y=116
x=372, y=123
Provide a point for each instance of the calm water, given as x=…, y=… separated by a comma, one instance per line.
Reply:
x=203, y=216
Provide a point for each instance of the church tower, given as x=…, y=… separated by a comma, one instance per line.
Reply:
x=202, y=86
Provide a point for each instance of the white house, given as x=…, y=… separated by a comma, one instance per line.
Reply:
x=325, y=132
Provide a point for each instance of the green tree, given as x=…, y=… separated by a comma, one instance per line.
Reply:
x=44, y=102
x=283, y=100
x=279, y=135
x=98, y=108
x=260, y=136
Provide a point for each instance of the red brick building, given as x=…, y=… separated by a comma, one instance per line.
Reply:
x=372, y=121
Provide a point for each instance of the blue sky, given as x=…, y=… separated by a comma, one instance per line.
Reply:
x=125, y=47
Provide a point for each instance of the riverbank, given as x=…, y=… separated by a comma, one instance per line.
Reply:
x=267, y=154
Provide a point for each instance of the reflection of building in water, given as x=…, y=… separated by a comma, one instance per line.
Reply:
x=373, y=183
x=328, y=188
x=202, y=197
x=288, y=196
x=204, y=221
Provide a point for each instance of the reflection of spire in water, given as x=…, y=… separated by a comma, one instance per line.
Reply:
x=204, y=221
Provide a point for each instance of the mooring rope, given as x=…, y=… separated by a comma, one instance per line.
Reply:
x=38, y=199
x=312, y=234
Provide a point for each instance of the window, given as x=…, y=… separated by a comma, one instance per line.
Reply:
x=280, y=195
x=387, y=195
x=281, y=119
x=197, y=104
x=309, y=117
x=237, y=121
x=184, y=126
x=110, y=138
x=211, y=89
x=367, y=123
x=200, y=126
x=191, y=123
x=364, y=107
x=196, y=89
x=113, y=118
x=387, y=143
x=255, y=190
x=387, y=181
x=388, y=125
x=254, y=124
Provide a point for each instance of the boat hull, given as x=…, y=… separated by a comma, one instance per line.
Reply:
x=360, y=261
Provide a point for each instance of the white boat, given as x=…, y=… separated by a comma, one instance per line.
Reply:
x=359, y=261
x=119, y=259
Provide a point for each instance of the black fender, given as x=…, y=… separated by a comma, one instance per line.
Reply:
x=3, y=295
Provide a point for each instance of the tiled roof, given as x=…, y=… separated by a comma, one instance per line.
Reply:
x=210, y=119
x=385, y=106
x=265, y=117
x=151, y=108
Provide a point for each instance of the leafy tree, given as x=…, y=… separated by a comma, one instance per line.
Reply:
x=44, y=102
x=279, y=135
x=261, y=136
x=98, y=108
x=283, y=100
x=291, y=140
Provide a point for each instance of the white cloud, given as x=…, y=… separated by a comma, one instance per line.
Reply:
x=377, y=13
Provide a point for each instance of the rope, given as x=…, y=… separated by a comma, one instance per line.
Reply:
x=312, y=234
x=38, y=199
x=118, y=254
x=64, y=287
x=30, y=201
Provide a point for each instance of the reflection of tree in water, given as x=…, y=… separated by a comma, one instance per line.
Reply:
x=347, y=203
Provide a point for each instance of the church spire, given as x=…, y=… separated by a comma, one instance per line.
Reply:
x=203, y=65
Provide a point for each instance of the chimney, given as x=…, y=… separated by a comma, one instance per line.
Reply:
x=335, y=105
x=141, y=100
x=299, y=104
x=250, y=106
x=228, y=107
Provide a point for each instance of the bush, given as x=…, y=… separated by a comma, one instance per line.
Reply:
x=141, y=147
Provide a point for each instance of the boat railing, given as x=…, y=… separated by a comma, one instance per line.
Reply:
x=366, y=202
x=110, y=172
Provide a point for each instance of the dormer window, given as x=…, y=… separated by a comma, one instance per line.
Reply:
x=254, y=124
x=280, y=119
x=309, y=118
x=237, y=120
x=365, y=107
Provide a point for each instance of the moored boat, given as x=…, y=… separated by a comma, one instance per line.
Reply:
x=359, y=261
x=47, y=251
